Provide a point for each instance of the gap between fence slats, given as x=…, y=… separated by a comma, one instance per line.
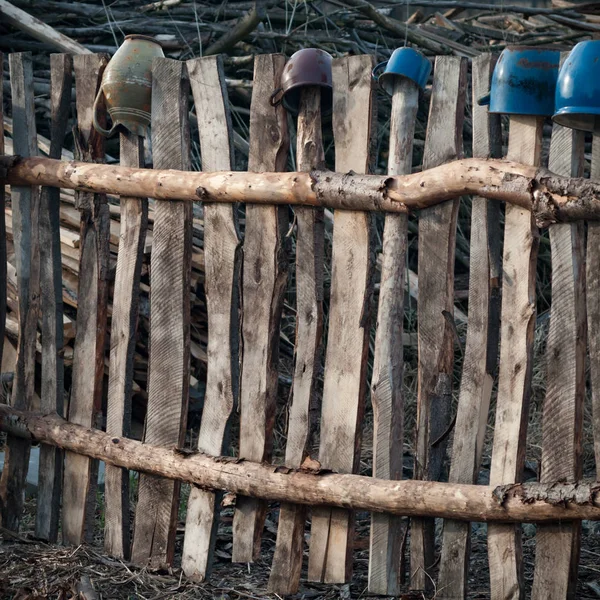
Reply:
x=344, y=388
x=264, y=280
x=169, y=360
x=516, y=361
x=481, y=352
x=222, y=251
x=437, y=237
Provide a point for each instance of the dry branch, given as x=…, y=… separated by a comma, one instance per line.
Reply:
x=551, y=197
x=528, y=502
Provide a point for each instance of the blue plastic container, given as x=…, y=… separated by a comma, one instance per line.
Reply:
x=524, y=82
x=404, y=62
x=577, y=102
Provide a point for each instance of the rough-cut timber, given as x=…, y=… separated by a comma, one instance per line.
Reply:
x=287, y=561
x=221, y=283
x=551, y=198
x=169, y=361
x=437, y=237
x=3, y=256
x=516, y=361
x=134, y=220
x=528, y=502
x=557, y=544
x=52, y=396
x=344, y=387
x=264, y=279
x=481, y=352
x=85, y=405
x=593, y=307
x=387, y=535
x=26, y=206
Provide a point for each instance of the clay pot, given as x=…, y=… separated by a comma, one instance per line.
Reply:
x=127, y=86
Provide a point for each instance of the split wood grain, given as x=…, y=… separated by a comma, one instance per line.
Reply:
x=481, y=352
x=516, y=359
x=264, y=280
x=330, y=556
x=3, y=256
x=310, y=241
x=437, y=239
x=593, y=306
x=222, y=253
x=81, y=473
x=387, y=532
x=134, y=222
x=26, y=205
x=52, y=396
x=169, y=361
x=557, y=545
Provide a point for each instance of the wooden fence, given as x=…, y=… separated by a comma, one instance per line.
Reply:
x=244, y=284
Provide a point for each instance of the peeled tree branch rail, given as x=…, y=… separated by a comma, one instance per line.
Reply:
x=550, y=197
x=529, y=502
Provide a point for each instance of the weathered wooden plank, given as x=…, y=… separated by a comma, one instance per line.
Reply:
x=222, y=253
x=52, y=397
x=263, y=284
x=592, y=277
x=347, y=346
x=289, y=550
x=26, y=206
x=481, y=352
x=386, y=548
x=516, y=358
x=437, y=237
x=3, y=290
x=134, y=221
x=169, y=362
x=557, y=545
x=80, y=473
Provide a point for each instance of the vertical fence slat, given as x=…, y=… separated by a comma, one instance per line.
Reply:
x=557, y=545
x=134, y=221
x=437, y=237
x=516, y=360
x=481, y=352
x=3, y=257
x=81, y=473
x=386, y=547
x=169, y=362
x=287, y=561
x=264, y=279
x=222, y=253
x=52, y=397
x=593, y=307
x=330, y=557
x=25, y=205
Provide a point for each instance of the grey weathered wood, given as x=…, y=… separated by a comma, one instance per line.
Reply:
x=481, y=352
x=437, y=237
x=264, y=279
x=593, y=307
x=222, y=255
x=80, y=473
x=134, y=221
x=516, y=360
x=347, y=344
x=289, y=550
x=386, y=548
x=2, y=235
x=25, y=205
x=169, y=362
x=52, y=397
x=557, y=545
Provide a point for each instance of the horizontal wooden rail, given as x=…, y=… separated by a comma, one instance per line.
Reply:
x=529, y=502
x=552, y=198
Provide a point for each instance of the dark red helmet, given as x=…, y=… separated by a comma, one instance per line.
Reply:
x=307, y=67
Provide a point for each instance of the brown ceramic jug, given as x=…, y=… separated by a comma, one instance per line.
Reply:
x=127, y=85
